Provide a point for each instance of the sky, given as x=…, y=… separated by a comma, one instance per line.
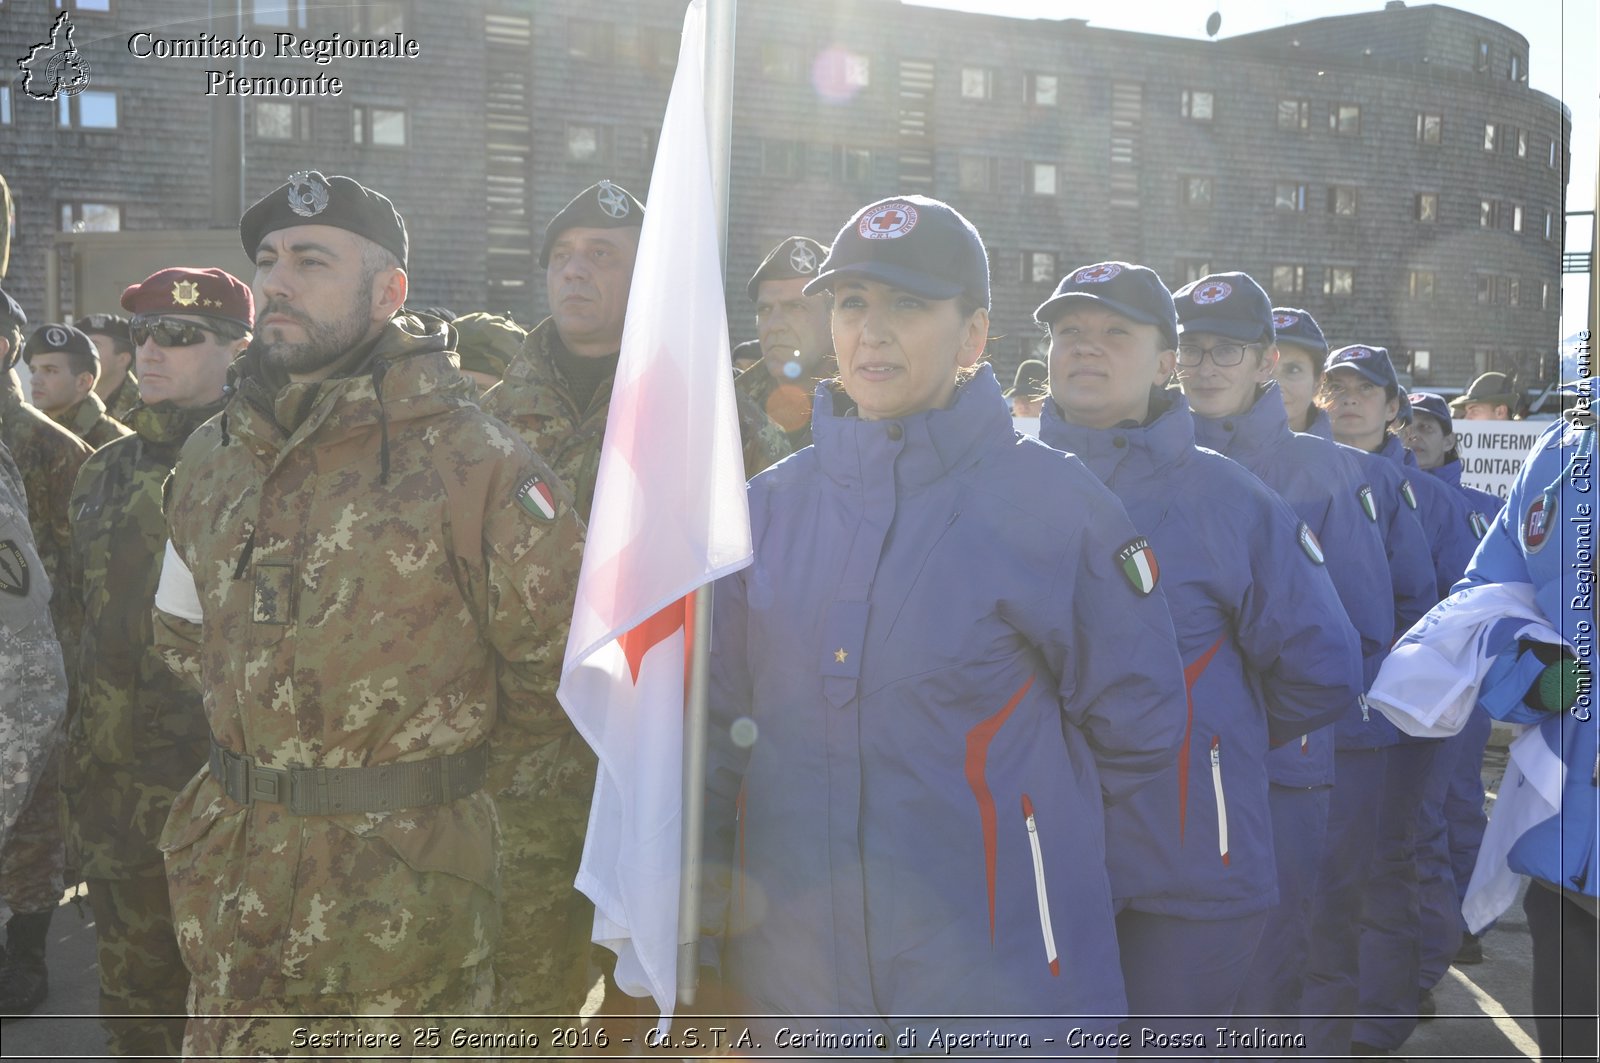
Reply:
x=1562, y=37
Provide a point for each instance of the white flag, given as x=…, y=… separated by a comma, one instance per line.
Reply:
x=669, y=515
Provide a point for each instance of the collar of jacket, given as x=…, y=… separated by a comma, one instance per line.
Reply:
x=1167, y=433
x=166, y=423
x=1261, y=428
x=85, y=414
x=535, y=366
x=919, y=449
x=408, y=373
x=1320, y=425
x=1395, y=450
x=1449, y=472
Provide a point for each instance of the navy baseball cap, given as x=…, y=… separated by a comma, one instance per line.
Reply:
x=1135, y=292
x=1433, y=405
x=1225, y=304
x=1371, y=362
x=914, y=243
x=1290, y=324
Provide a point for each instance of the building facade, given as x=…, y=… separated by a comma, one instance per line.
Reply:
x=1391, y=171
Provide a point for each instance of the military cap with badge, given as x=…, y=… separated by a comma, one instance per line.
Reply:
x=603, y=205
x=213, y=294
x=309, y=198
x=796, y=256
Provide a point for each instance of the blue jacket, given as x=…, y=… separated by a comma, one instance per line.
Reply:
x=1251, y=608
x=1320, y=426
x=1320, y=486
x=1445, y=516
x=1482, y=503
x=1545, y=536
x=949, y=671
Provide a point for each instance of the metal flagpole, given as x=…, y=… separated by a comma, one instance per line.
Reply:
x=720, y=22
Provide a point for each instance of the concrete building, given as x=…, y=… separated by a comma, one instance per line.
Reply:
x=1391, y=171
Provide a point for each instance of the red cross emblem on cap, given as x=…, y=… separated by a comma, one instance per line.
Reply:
x=1284, y=320
x=888, y=222
x=1097, y=274
x=1214, y=292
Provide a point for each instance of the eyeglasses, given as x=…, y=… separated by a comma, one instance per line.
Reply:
x=1222, y=355
x=168, y=331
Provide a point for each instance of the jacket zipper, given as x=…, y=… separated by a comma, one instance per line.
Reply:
x=1045, y=929
x=1222, y=801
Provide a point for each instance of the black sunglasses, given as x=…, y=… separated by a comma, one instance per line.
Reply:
x=169, y=332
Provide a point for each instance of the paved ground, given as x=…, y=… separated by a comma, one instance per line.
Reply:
x=1478, y=1005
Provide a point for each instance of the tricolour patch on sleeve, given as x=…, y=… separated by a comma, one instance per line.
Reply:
x=1408, y=494
x=1369, y=505
x=1480, y=524
x=536, y=498
x=14, y=576
x=1309, y=543
x=1138, y=564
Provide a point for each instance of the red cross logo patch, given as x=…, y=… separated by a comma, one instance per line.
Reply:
x=1214, y=292
x=1284, y=320
x=888, y=222
x=1097, y=274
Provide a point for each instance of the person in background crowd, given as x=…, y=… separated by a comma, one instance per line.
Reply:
x=1191, y=856
x=138, y=733
x=792, y=328
x=982, y=613
x=34, y=858
x=486, y=343
x=1491, y=397
x=1226, y=358
x=746, y=356
x=1298, y=370
x=385, y=577
x=117, y=387
x=1029, y=388
x=64, y=365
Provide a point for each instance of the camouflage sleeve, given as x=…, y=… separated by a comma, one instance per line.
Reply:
x=765, y=443
x=177, y=619
x=33, y=683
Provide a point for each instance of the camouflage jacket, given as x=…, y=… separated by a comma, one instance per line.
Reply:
x=137, y=732
x=33, y=686
x=49, y=457
x=380, y=575
x=87, y=419
x=787, y=404
x=121, y=402
x=534, y=400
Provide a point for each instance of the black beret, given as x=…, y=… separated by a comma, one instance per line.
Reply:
x=11, y=311
x=48, y=339
x=600, y=206
x=797, y=256
x=114, y=325
x=308, y=198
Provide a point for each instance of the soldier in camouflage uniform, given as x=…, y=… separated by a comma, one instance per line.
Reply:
x=486, y=343
x=65, y=366
x=384, y=574
x=33, y=698
x=795, y=337
x=138, y=733
x=117, y=387
x=32, y=861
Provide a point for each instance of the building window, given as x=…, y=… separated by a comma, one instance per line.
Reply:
x=1345, y=119
x=977, y=83
x=1430, y=128
x=782, y=158
x=978, y=173
x=658, y=48
x=1289, y=195
x=1544, y=295
x=1342, y=200
x=89, y=109
x=1198, y=105
x=380, y=127
x=1550, y=163
x=1427, y=207
x=1042, y=89
x=1421, y=366
x=1197, y=193
x=288, y=14
x=1294, y=115
x=649, y=140
x=1522, y=143
x=1491, y=137
x=1514, y=72
x=1339, y=281
x=1288, y=280
x=100, y=6
x=1516, y=217
x=588, y=143
x=1549, y=224
x=852, y=166
x=5, y=104
x=91, y=218
x=1040, y=267
x=782, y=62
x=380, y=18
x=857, y=70
x=591, y=39
x=1487, y=285
x=275, y=120
x=1041, y=178
x=1513, y=291
x=1483, y=56
x=1192, y=269
x=1488, y=214
x=1420, y=284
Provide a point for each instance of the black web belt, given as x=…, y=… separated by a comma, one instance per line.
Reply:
x=334, y=791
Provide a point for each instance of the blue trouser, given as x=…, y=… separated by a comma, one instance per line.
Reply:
x=1329, y=999
x=1391, y=942
x=1565, y=960
x=1183, y=978
x=1270, y=996
x=1458, y=769
x=1463, y=802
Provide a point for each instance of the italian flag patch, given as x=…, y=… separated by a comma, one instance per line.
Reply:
x=1480, y=524
x=536, y=498
x=1408, y=494
x=1138, y=563
x=1369, y=505
x=1309, y=543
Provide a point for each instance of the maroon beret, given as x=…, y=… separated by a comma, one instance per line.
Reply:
x=182, y=290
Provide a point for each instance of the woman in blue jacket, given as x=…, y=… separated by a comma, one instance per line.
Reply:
x=1191, y=857
x=950, y=653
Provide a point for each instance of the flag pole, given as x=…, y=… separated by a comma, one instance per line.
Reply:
x=720, y=23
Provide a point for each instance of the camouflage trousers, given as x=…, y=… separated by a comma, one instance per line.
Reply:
x=435, y=1018
x=542, y=962
x=141, y=971
x=35, y=857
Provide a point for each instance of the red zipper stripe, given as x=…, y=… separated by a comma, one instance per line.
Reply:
x=978, y=740
x=1191, y=676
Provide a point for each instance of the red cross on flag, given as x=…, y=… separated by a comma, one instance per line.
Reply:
x=669, y=516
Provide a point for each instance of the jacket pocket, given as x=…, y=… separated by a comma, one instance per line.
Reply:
x=1041, y=891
